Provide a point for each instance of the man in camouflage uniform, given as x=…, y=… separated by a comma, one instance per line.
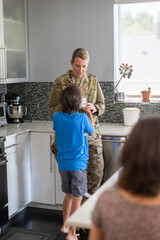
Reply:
x=90, y=89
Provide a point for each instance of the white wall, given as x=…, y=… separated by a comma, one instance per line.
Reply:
x=58, y=27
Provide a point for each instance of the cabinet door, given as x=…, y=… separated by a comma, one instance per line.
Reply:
x=12, y=175
x=42, y=168
x=12, y=180
x=23, y=160
x=18, y=172
x=15, y=39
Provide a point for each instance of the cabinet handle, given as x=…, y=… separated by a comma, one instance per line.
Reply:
x=51, y=162
x=113, y=141
x=3, y=67
x=5, y=61
x=2, y=77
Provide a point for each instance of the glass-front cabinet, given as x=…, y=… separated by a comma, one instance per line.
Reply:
x=14, y=50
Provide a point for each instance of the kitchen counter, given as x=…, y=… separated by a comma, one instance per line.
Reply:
x=115, y=129
x=108, y=129
x=37, y=126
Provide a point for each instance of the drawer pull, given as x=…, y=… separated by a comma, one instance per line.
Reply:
x=113, y=141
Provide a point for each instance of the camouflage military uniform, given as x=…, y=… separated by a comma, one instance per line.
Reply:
x=90, y=89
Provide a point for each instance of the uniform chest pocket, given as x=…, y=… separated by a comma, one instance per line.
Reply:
x=92, y=95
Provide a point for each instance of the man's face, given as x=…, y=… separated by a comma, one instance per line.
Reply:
x=79, y=67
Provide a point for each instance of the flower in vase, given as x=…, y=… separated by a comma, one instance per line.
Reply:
x=125, y=71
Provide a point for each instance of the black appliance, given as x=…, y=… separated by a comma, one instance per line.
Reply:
x=3, y=185
x=11, y=98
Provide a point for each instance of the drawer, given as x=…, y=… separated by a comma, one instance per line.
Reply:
x=10, y=144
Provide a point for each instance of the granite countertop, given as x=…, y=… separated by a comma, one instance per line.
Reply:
x=108, y=129
x=14, y=129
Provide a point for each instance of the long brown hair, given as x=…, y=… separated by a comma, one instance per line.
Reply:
x=140, y=158
x=70, y=99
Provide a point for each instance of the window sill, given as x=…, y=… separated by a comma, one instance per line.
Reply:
x=138, y=100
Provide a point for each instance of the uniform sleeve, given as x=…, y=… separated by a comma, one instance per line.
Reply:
x=54, y=100
x=88, y=125
x=100, y=101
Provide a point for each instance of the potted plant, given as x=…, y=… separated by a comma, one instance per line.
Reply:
x=146, y=95
x=125, y=71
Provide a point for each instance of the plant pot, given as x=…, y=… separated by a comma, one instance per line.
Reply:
x=146, y=96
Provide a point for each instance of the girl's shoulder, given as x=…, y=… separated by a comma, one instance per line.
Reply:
x=109, y=195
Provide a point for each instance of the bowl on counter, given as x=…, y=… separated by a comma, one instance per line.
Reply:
x=16, y=113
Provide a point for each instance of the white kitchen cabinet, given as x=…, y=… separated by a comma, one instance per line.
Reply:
x=13, y=41
x=18, y=172
x=42, y=168
x=12, y=175
x=24, y=166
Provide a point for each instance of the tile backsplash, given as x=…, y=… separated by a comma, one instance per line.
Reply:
x=35, y=95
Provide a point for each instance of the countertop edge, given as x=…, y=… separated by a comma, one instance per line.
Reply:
x=107, y=129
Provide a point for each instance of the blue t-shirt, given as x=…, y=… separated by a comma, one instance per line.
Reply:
x=71, y=140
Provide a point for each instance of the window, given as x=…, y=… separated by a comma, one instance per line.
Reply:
x=137, y=42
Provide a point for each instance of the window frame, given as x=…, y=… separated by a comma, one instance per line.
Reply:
x=128, y=97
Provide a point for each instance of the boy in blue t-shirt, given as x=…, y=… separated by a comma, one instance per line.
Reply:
x=71, y=127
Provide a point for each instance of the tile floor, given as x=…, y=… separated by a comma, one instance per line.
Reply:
x=42, y=220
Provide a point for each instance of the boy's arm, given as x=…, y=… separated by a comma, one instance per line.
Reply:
x=89, y=114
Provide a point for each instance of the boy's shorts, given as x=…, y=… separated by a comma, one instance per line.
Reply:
x=74, y=182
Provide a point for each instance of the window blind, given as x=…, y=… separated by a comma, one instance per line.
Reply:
x=133, y=1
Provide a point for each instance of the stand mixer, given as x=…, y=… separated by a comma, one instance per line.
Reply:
x=15, y=111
